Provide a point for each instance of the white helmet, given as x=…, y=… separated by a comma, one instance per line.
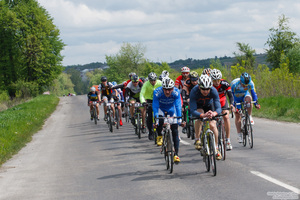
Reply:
x=185, y=69
x=216, y=74
x=205, y=81
x=167, y=83
x=152, y=76
x=93, y=89
x=165, y=73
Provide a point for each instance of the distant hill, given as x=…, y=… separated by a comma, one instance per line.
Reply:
x=94, y=65
x=225, y=61
x=191, y=63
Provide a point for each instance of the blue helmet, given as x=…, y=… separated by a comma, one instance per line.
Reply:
x=114, y=83
x=245, y=78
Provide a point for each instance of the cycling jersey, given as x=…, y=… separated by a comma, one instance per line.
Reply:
x=239, y=92
x=198, y=100
x=223, y=89
x=106, y=90
x=133, y=91
x=147, y=90
x=92, y=97
x=179, y=82
x=171, y=105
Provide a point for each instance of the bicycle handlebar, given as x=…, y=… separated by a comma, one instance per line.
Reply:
x=207, y=119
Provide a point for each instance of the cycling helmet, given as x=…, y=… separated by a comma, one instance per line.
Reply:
x=135, y=78
x=206, y=71
x=160, y=77
x=165, y=73
x=142, y=79
x=194, y=76
x=216, y=74
x=93, y=89
x=167, y=83
x=245, y=78
x=131, y=74
x=185, y=69
x=114, y=83
x=205, y=81
x=152, y=76
x=103, y=78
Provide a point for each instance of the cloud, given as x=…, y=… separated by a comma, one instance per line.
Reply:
x=170, y=29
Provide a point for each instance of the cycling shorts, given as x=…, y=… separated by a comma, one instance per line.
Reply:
x=206, y=108
x=240, y=99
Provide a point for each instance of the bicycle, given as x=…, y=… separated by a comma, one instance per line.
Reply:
x=94, y=111
x=167, y=146
x=246, y=124
x=109, y=114
x=153, y=129
x=221, y=138
x=208, y=141
x=126, y=112
x=137, y=119
x=117, y=120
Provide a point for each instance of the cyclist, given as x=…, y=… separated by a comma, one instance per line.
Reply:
x=146, y=95
x=132, y=92
x=117, y=96
x=240, y=89
x=165, y=74
x=105, y=89
x=187, y=87
x=205, y=102
x=167, y=99
x=180, y=80
x=223, y=88
x=93, y=95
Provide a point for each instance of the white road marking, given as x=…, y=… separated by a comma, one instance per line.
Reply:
x=184, y=142
x=273, y=180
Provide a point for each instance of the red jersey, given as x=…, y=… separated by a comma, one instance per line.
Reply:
x=179, y=82
x=222, y=89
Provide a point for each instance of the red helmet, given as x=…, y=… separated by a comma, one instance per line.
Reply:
x=185, y=69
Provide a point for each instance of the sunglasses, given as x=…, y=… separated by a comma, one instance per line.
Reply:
x=135, y=81
x=170, y=89
x=205, y=88
x=185, y=73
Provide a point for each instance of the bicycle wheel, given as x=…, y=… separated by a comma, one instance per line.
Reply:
x=250, y=132
x=206, y=158
x=165, y=151
x=117, y=117
x=139, y=125
x=110, y=123
x=170, y=150
x=154, y=135
x=127, y=114
x=188, y=131
x=95, y=115
x=212, y=153
x=221, y=139
x=244, y=132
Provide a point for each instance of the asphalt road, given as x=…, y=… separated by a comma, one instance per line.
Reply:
x=72, y=158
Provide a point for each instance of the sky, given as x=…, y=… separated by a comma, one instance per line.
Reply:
x=169, y=29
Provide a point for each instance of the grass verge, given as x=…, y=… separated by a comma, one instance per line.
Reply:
x=18, y=124
x=279, y=108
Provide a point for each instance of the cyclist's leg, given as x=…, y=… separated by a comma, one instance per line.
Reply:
x=131, y=101
x=237, y=114
x=213, y=127
x=112, y=106
x=248, y=99
x=226, y=120
x=104, y=106
x=120, y=113
x=198, y=126
x=97, y=106
x=174, y=128
x=149, y=118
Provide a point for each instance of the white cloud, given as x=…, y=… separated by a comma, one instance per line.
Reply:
x=170, y=29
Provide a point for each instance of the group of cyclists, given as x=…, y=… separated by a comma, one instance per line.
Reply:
x=205, y=94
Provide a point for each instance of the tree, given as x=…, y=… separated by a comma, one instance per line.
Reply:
x=246, y=56
x=130, y=58
x=281, y=40
x=30, y=45
x=294, y=57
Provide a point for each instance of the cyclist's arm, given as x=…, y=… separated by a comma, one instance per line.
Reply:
x=142, y=93
x=216, y=101
x=193, y=104
x=155, y=103
x=230, y=96
x=178, y=81
x=178, y=107
x=121, y=86
x=253, y=93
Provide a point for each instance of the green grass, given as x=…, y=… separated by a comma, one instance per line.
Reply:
x=18, y=124
x=279, y=108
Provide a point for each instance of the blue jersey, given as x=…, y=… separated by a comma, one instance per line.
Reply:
x=196, y=97
x=171, y=105
x=239, y=91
